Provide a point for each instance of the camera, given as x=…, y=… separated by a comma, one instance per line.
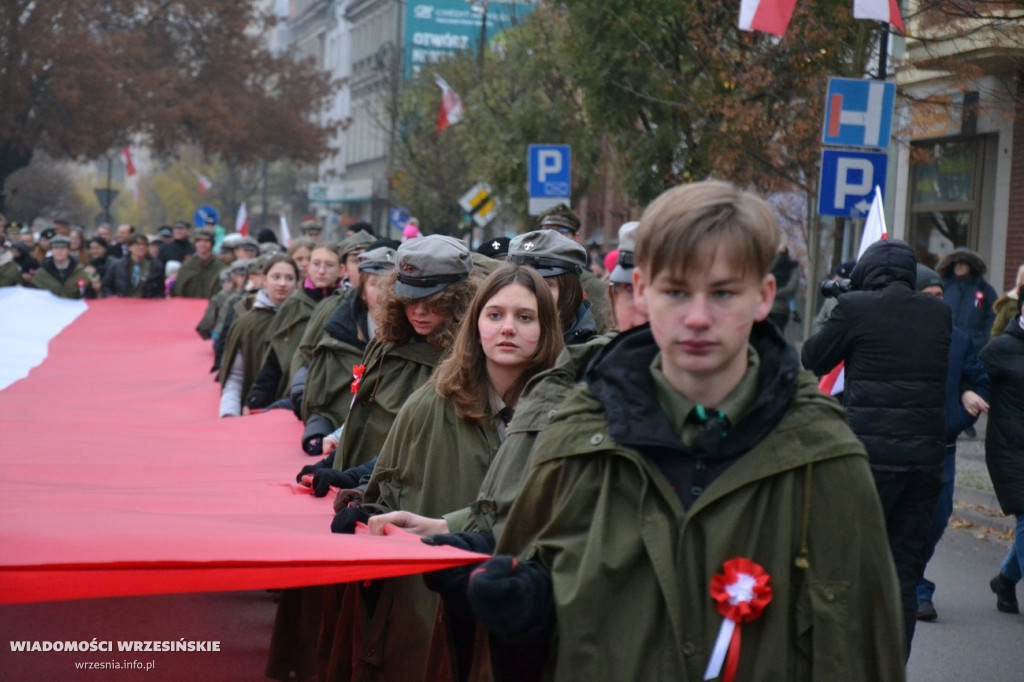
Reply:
x=834, y=288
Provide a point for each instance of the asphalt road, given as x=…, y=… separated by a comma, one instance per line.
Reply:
x=970, y=640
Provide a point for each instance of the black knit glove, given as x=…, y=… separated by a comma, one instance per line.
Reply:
x=326, y=463
x=325, y=478
x=512, y=599
x=345, y=520
x=313, y=446
x=452, y=581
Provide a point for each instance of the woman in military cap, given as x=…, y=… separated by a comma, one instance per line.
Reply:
x=247, y=336
x=560, y=261
x=441, y=446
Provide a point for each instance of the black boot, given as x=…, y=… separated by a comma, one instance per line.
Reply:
x=1006, y=594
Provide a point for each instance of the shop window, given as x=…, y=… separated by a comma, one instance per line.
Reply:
x=945, y=194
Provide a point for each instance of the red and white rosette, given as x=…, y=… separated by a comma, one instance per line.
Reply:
x=979, y=298
x=357, y=377
x=741, y=592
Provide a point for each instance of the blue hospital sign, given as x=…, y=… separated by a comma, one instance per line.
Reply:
x=858, y=113
x=848, y=180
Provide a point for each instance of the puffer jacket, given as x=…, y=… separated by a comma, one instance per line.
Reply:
x=895, y=345
x=1003, y=359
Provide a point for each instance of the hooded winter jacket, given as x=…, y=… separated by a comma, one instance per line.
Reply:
x=71, y=282
x=632, y=568
x=895, y=345
x=971, y=298
x=248, y=336
x=1003, y=358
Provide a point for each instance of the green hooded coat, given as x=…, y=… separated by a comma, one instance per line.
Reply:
x=393, y=373
x=10, y=276
x=69, y=288
x=248, y=336
x=198, y=279
x=329, y=372
x=632, y=568
x=431, y=462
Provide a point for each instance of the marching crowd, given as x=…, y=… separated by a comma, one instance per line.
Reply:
x=648, y=460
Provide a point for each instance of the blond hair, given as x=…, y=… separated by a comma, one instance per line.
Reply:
x=684, y=228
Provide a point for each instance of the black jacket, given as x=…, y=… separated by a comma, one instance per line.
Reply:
x=895, y=343
x=1003, y=358
x=118, y=279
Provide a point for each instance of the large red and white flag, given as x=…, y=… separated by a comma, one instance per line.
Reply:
x=451, y=110
x=769, y=16
x=874, y=230
x=242, y=221
x=157, y=502
x=882, y=10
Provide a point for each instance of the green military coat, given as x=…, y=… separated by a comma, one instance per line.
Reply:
x=198, y=279
x=542, y=395
x=248, y=336
x=10, y=276
x=431, y=462
x=42, y=279
x=285, y=332
x=393, y=373
x=632, y=568
x=596, y=290
x=315, y=328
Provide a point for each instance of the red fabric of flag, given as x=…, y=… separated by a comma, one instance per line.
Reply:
x=119, y=479
x=129, y=165
x=769, y=16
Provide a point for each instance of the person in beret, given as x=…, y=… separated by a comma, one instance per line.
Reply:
x=496, y=248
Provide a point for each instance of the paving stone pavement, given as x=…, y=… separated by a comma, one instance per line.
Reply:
x=974, y=500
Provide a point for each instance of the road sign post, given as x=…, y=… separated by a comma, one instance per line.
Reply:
x=480, y=204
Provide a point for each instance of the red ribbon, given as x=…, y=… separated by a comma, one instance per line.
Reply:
x=741, y=592
x=357, y=377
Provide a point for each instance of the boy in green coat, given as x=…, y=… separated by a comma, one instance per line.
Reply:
x=694, y=467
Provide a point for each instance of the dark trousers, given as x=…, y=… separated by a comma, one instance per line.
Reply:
x=908, y=503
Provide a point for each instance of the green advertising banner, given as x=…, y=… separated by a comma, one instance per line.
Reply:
x=435, y=30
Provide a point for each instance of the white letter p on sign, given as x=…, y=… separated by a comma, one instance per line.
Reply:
x=549, y=162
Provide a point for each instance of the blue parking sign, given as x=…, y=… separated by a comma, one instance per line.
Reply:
x=848, y=180
x=550, y=169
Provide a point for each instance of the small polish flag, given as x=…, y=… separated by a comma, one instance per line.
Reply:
x=769, y=16
x=204, y=183
x=242, y=221
x=882, y=10
x=452, y=110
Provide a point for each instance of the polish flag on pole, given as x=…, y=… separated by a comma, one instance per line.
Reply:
x=242, y=221
x=204, y=183
x=452, y=110
x=874, y=230
x=129, y=165
x=882, y=10
x=769, y=16
x=286, y=238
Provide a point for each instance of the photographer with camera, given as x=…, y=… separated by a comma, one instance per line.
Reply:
x=894, y=341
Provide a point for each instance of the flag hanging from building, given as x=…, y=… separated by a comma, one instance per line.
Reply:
x=242, y=221
x=452, y=110
x=874, y=230
x=769, y=16
x=882, y=10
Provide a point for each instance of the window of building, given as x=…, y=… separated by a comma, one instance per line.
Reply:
x=945, y=196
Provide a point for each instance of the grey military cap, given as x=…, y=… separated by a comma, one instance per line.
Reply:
x=548, y=252
x=377, y=261
x=356, y=243
x=60, y=240
x=427, y=265
x=623, y=272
